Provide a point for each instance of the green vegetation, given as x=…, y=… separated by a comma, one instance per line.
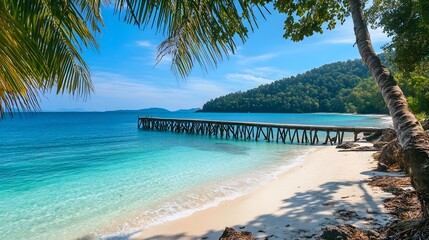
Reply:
x=42, y=41
x=36, y=34
x=40, y=48
x=365, y=98
x=196, y=32
x=337, y=87
x=407, y=23
x=416, y=87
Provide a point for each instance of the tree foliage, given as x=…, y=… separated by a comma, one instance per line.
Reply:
x=407, y=23
x=365, y=98
x=416, y=87
x=40, y=48
x=306, y=17
x=41, y=44
x=42, y=40
x=196, y=31
x=338, y=87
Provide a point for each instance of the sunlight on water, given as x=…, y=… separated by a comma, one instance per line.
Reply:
x=73, y=175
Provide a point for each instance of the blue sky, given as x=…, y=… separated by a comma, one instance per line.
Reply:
x=125, y=76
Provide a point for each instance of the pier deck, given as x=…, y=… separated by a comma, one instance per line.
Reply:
x=304, y=134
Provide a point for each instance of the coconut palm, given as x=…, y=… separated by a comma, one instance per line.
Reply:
x=40, y=51
x=203, y=31
x=42, y=40
x=196, y=31
x=411, y=136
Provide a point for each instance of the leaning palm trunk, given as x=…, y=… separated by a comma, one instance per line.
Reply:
x=411, y=135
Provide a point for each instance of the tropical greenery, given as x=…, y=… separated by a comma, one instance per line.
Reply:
x=416, y=88
x=337, y=87
x=365, y=98
x=42, y=40
x=41, y=43
x=192, y=37
x=407, y=23
x=198, y=31
x=411, y=136
x=40, y=48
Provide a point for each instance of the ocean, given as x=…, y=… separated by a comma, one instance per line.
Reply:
x=95, y=175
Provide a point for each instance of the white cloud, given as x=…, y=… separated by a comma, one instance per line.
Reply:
x=253, y=77
x=378, y=36
x=255, y=59
x=165, y=60
x=344, y=34
x=116, y=91
x=267, y=72
x=247, y=78
x=144, y=43
x=152, y=59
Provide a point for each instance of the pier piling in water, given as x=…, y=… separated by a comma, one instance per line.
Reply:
x=304, y=134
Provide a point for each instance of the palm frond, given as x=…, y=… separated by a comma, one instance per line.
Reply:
x=21, y=65
x=199, y=31
x=42, y=42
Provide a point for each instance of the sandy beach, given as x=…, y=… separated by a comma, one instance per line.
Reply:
x=329, y=187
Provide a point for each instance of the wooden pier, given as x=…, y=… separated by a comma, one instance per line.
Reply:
x=304, y=134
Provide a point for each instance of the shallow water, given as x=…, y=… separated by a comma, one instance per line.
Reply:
x=73, y=175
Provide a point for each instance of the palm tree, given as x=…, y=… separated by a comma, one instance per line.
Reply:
x=42, y=40
x=204, y=30
x=196, y=31
x=411, y=135
x=40, y=50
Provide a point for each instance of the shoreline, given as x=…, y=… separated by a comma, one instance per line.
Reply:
x=240, y=185
x=297, y=204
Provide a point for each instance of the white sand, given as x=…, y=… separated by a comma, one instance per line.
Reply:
x=294, y=206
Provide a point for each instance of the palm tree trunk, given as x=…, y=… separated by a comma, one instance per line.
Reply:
x=411, y=135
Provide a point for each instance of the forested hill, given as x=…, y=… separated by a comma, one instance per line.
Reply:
x=337, y=87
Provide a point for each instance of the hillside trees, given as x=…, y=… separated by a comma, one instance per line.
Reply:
x=204, y=32
x=416, y=88
x=365, y=98
x=336, y=87
x=307, y=17
x=303, y=19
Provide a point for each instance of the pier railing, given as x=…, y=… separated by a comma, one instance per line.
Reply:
x=305, y=134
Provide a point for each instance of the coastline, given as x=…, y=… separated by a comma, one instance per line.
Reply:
x=110, y=183
x=297, y=204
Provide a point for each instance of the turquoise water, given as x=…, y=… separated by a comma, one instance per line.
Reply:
x=87, y=175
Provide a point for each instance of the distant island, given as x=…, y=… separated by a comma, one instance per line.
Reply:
x=343, y=87
x=70, y=110
x=159, y=110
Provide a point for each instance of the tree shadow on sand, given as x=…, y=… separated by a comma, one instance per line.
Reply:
x=303, y=215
